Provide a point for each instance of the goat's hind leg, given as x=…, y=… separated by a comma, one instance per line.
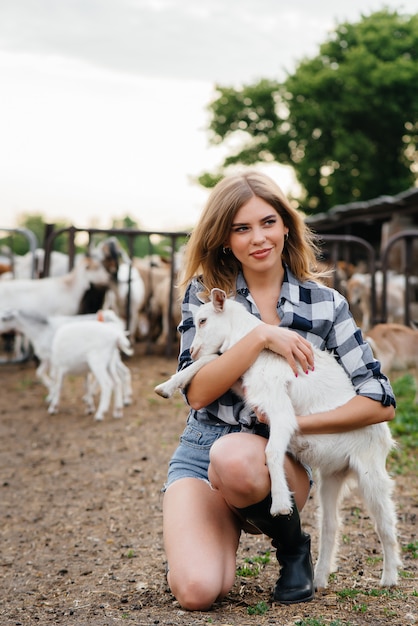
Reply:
x=376, y=488
x=106, y=387
x=330, y=495
x=57, y=378
x=117, y=383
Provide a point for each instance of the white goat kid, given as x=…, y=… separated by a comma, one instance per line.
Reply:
x=271, y=387
x=90, y=346
x=39, y=330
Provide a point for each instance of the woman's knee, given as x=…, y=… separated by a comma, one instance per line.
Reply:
x=197, y=592
x=238, y=460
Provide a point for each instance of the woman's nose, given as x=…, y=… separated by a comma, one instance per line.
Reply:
x=258, y=235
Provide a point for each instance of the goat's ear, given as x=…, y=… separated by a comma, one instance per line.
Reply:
x=218, y=297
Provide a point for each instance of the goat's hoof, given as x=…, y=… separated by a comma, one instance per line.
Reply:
x=320, y=582
x=160, y=390
x=281, y=510
x=389, y=581
x=117, y=415
x=98, y=418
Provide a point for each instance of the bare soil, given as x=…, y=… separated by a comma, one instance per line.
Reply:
x=81, y=521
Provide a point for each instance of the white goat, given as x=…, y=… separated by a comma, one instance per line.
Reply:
x=89, y=346
x=57, y=295
x=271, y=387
x=40, y=330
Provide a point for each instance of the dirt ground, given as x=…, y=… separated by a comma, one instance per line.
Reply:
x=81, y=522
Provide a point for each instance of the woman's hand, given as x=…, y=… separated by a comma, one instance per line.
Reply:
x=297, y=350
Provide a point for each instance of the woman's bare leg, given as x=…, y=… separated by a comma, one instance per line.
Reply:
x=201, y=536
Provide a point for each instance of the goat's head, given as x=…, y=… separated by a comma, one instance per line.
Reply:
x=212, y=326
x=94, y=270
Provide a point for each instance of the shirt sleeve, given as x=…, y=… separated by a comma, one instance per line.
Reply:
x=186, y=327
x=356, y=357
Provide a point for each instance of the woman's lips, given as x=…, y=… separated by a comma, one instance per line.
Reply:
x=261, y=254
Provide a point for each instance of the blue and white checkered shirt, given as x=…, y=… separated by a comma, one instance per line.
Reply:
x=316, y=312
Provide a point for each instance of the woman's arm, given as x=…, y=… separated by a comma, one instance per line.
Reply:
x=358, y=412
x=217, y=377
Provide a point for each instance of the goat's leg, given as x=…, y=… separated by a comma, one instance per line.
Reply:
x=330, y=497
x=42, y=374
x=183, y=377
x=106, y=386
x=376, y=488
x=282, y=426
x=55, y=393
x=117, y=386
x=91, y=388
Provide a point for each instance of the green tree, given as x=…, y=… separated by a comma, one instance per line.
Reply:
x=346, y=120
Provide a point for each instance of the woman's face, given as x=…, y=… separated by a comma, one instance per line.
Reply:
x=257, y=235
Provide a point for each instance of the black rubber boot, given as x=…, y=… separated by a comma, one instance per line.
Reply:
x=293, y=551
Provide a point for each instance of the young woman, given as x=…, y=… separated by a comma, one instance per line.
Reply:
x=250, y=242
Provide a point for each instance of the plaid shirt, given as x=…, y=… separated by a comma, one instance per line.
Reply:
x=316, y=312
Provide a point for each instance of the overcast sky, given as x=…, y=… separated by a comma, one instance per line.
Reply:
x=103, y=106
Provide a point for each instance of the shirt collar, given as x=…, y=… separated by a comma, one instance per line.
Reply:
x=289, y=290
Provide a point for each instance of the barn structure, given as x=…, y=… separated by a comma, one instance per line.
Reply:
x=373, y=220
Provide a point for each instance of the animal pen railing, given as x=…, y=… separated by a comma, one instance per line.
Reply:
x=342, y=247
x=336, y=248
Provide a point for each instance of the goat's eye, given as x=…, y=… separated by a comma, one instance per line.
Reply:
x=202, y=321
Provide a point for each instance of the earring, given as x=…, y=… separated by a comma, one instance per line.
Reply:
x=226, y=250
x=286, y=236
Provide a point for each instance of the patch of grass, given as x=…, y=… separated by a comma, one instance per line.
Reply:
x=130, y=554
x=406, y=420
x=311, y=621
x=348, y=593
x=253, y=565
x=404, y=427
x=258, y=609
x=412, y=548
x=372, y=560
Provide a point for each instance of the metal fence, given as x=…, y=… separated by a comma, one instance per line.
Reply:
x=334, y=247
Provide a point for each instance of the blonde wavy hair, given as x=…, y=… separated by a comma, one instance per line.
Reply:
x=204, y=253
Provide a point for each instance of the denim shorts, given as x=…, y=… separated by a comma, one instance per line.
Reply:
x=191, y=458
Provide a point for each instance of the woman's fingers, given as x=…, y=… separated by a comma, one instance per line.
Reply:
x=297, y=350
